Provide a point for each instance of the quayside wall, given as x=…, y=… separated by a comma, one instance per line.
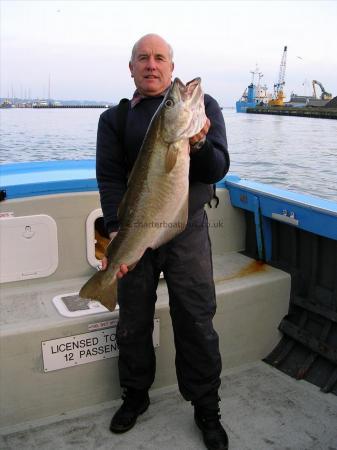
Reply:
x=315, y=112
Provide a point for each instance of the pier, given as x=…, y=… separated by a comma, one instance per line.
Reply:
x=316, y=112
x=67, y=106
x=9, y=105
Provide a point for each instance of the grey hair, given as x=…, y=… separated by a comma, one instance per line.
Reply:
x=134, y=48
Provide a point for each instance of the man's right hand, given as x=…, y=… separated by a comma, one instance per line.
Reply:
x=123, y=270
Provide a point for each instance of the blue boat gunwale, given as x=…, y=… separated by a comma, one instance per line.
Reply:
x=78, y=177
x=267, y=203
x=267, y=190
x=22, y=180
x=81, y=180
x=48, y=166
x=31, y=179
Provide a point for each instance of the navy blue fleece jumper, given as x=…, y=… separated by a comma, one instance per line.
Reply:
x=114, y=160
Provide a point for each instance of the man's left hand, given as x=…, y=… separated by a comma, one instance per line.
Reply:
x=202, y=133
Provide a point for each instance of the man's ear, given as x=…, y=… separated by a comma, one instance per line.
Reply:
x=131, y=68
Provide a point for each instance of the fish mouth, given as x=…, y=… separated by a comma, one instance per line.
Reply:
x=188, y=90
x=191, y=96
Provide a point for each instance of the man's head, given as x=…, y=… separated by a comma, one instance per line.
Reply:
x=151, y=65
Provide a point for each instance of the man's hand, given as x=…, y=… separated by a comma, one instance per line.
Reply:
x=202, y=133
x=123, y=270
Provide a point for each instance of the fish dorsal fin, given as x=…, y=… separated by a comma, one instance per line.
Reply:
x=171, y=157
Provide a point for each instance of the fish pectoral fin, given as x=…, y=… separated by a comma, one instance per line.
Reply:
x=171, y=157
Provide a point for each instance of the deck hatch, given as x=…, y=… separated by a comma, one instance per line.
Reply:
x=72, y=305
x=28, y=247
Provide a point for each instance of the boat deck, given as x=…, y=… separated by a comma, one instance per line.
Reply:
x=262, y=409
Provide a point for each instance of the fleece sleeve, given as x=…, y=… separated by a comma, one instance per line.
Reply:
x=110, y=169
x=211, y=163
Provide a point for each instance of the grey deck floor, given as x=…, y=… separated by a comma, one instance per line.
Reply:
x=262, y=409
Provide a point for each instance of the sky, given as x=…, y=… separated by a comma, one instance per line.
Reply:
x=83, y=46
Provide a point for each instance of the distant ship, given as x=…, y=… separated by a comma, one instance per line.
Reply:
x=254, y=95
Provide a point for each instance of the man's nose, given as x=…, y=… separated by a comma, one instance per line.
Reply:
x=151, y=63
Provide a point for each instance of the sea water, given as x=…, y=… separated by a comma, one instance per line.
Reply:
x=295, y=153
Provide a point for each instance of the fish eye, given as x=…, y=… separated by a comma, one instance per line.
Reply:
x=169, y=103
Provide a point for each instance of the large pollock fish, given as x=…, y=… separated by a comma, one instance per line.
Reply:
x=154, y=208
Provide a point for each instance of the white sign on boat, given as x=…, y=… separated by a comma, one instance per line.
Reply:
x=84, y=348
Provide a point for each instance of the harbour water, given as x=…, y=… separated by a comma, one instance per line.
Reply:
x=299, y=154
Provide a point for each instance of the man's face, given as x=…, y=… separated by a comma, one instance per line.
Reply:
x=151, y=66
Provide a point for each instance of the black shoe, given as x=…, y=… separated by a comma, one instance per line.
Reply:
x=134, y=403
x=215, y=437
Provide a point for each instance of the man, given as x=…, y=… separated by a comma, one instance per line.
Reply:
x=185, y=260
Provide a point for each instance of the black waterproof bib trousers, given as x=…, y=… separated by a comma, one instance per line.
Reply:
x=187, y=266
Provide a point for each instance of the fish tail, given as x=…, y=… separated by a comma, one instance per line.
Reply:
x=101, y=287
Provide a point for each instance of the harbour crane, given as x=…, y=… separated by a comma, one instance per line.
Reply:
x=324, y=95
x=278, y=98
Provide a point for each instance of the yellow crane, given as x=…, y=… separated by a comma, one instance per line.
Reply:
x=279, y=96
x=324, y=95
